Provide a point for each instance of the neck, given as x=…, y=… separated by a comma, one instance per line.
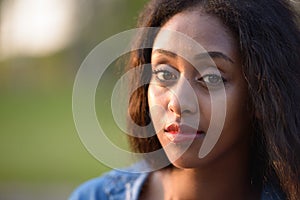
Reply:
x=226, y=179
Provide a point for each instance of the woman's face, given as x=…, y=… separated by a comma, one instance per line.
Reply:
x=181, y=95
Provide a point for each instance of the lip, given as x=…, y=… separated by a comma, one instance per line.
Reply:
x=181, y=133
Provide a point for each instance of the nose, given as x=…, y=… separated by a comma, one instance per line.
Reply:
x=183, y=98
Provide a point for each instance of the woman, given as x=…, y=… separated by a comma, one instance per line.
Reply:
x=255, y=47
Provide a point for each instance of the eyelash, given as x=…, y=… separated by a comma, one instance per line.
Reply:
x=213, y=75
x=201, y=79
x=157, y=71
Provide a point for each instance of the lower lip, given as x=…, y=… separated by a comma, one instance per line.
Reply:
x=183, y=137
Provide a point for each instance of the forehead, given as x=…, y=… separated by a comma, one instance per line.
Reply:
x=194, y=31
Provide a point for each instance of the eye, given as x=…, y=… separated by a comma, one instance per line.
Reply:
x=212, y=80
x=164, y=75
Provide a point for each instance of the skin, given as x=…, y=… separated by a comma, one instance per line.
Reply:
x=181, y=93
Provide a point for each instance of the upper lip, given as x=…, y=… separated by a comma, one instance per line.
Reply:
x=176, y=128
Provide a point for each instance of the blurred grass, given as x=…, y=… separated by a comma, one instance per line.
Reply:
x=41, y=155
x=38, y=140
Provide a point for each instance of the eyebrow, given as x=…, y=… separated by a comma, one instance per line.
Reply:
x=212, y=54
x=165, y=52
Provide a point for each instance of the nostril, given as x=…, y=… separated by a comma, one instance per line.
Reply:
x=170, y=108
x=174, y=108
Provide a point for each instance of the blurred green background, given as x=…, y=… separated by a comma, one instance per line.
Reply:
x=42, y=44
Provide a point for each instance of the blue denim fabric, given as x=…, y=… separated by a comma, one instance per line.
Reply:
x=115, y=185
x=119, y=185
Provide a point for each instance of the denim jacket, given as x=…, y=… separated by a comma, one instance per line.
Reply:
x=120, y=185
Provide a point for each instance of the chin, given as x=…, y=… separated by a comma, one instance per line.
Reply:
x=190, y=159
x=187, y=162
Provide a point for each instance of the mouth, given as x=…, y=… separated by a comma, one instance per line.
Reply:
x=180, y=133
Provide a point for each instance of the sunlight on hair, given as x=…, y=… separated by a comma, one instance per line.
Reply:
x=35, y=27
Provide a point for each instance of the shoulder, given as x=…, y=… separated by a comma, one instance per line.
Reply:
x=112, y=185
x=272, y=192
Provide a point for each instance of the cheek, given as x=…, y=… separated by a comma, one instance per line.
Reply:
x=238, y=106
x=237, y=123
x=157, y=106
x=205, y=104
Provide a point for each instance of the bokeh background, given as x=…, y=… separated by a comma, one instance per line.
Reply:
x=42, y=44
